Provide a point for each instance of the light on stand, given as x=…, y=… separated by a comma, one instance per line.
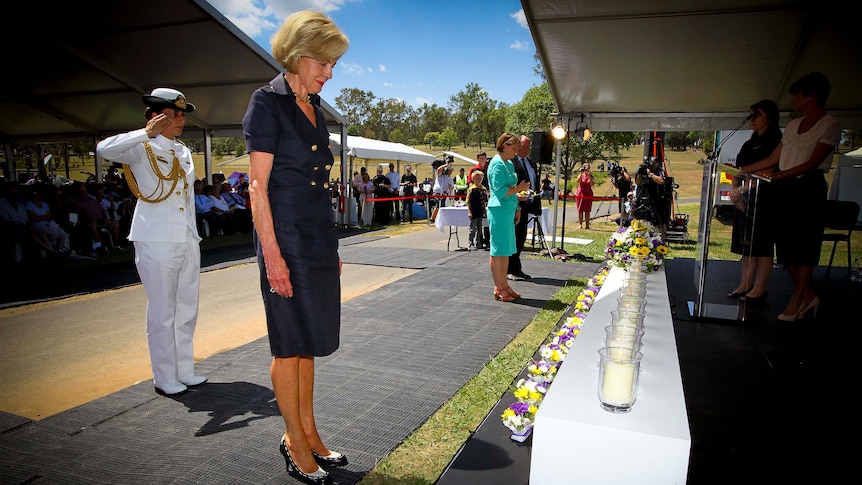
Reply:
x=558, y=131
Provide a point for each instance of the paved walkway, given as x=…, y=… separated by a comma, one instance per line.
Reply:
x=406, y=349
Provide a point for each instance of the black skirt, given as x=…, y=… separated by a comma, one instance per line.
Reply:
x=754, y=228
x=309, y=323
x=800, y=202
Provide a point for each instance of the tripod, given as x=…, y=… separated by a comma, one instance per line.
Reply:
x=537, y=230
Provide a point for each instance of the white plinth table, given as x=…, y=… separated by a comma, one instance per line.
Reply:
x=576, y=441
x=454, y=217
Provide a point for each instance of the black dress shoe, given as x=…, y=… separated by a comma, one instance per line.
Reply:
x=513, y=277
x=739, y=294
x=524, y=275
x=333, y=459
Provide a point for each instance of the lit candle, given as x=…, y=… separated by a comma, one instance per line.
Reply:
x=626, y=303
x=624, y=326
x=617, y=352
x=618, y=382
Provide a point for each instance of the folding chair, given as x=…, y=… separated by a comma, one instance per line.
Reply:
x=840, y=216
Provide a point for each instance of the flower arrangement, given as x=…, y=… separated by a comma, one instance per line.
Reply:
x=529, y=194
x=542, y=371
x=519, y=417
x=638, y=242
x=530, y=391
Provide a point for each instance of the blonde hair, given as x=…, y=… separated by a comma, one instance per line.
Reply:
x=307, y=34
x=507, y=139
x=477, y=174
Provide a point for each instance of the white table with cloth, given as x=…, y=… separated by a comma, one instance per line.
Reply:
x=455, y=217
x=576, y=441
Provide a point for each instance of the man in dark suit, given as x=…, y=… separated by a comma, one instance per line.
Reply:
x=530, y=206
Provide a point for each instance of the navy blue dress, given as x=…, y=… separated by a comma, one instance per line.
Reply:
x=309, y=323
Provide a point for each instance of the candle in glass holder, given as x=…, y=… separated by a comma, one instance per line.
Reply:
x=631, y=303
x=618, y=382
x=623, y=338
x=624, y=318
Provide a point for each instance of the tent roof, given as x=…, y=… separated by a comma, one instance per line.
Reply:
x=671, y=65
x=368, y=148
x=80, y=69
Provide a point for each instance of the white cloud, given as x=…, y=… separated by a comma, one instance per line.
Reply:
x=351, y=68
x=256, y=17
x=387, y=84
x=381, y=68
x=520, y=18
x=421, y=101
x=519, y=46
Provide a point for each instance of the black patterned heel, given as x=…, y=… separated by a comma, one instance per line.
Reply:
x=334, y=458
x=319, y=477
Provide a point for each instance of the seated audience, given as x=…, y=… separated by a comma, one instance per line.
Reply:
x=92, y=221
x=50, y=234
x=220, y=206
x=15, y=224
x=236, y=202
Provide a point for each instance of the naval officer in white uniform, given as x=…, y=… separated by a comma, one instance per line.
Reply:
x=161, y=174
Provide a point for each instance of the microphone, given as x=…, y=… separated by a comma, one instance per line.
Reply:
x=748, y=118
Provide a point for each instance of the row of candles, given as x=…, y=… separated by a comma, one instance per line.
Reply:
x=620, y=358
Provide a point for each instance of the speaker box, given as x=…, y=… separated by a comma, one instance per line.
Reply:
x=542, y=148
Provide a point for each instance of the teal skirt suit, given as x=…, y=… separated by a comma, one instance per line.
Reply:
x=501, y=208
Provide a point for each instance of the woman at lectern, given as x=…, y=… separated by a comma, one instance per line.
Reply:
x=753, y=228
x=796, y=169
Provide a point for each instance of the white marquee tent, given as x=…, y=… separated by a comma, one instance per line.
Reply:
x=369, y=149
x=847, y=181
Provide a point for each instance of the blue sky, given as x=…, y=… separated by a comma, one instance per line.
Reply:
x=416, y=51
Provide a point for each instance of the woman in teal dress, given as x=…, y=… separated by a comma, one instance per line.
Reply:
x=503, y=212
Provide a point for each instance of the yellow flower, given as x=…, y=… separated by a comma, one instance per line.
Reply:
x=533, y=409
x=521, y=393
x=535, y=395
x=661, y=249
x=634, y=251
x=508, y=413
x=640, y=241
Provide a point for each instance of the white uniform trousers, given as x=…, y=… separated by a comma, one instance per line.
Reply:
x=170, y=273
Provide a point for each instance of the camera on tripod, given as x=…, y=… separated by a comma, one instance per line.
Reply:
x=643, y=168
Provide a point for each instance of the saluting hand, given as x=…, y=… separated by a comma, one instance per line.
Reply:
x=157, y=124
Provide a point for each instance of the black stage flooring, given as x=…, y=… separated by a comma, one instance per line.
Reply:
x=762, y=396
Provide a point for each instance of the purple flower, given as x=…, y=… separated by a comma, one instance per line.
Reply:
x=519, y=407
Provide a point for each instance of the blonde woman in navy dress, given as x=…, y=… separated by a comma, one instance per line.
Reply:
x=295, y=234
x=503, y=212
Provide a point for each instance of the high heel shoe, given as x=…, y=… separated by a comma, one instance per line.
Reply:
x=319, y=477
x=506, y=294
x=814, y=305
x=737, y=294
x=754, y=299
x=334, y=458
x=789, y=317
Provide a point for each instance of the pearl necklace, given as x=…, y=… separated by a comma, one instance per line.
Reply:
x=304, y=99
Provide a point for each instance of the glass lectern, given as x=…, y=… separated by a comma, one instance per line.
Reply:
x=710, y=283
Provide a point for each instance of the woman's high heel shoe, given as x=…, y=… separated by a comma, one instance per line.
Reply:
x=506, y=294
x=334, y=458
x=813, y=305
x=737, y=294
x=319, y=477
x=754, y=299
